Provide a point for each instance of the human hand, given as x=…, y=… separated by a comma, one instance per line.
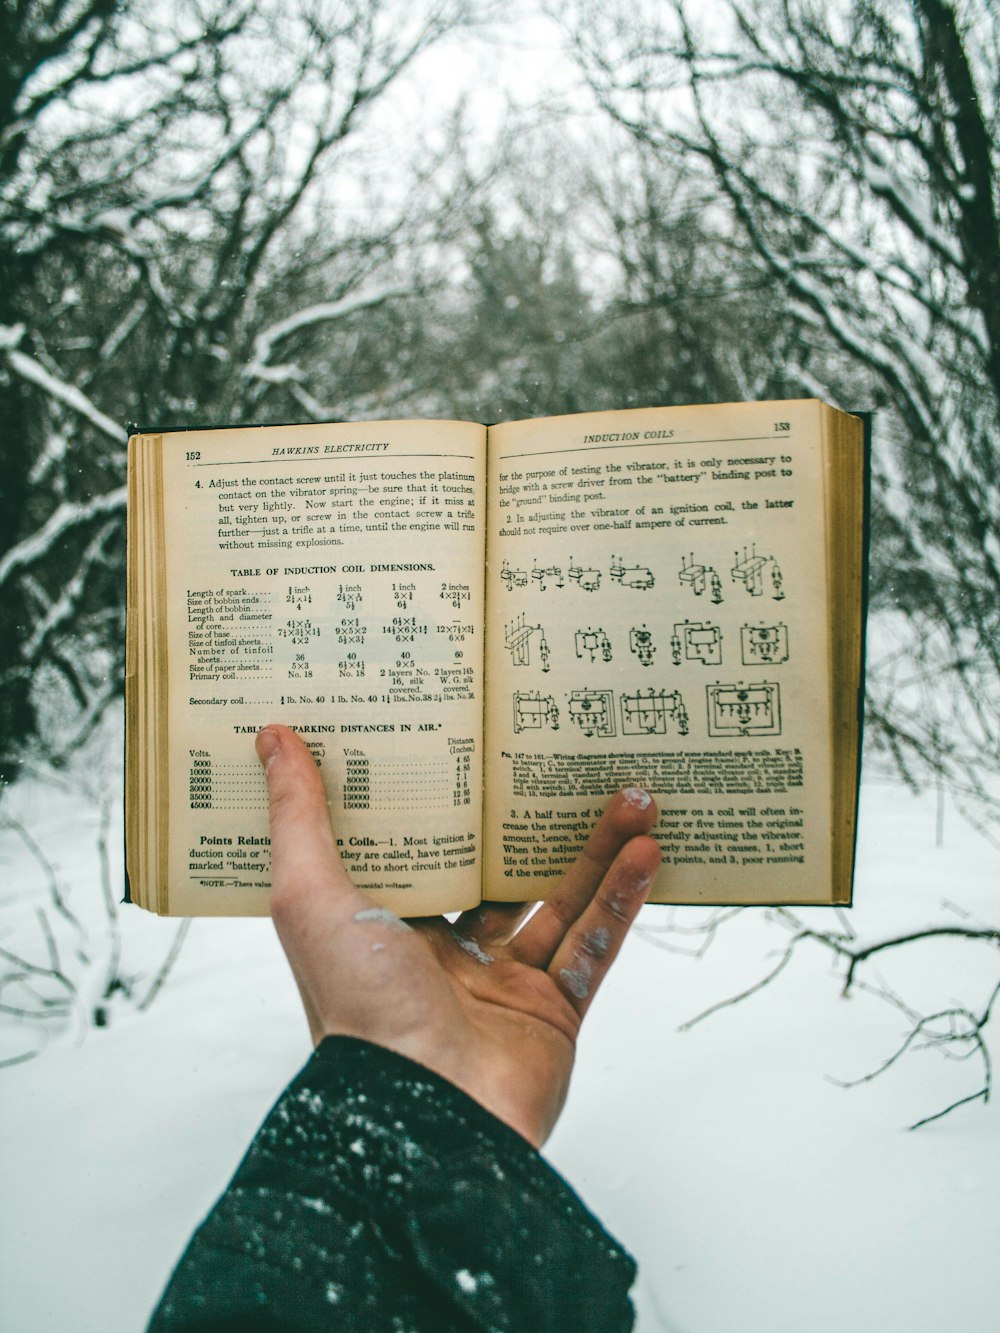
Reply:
x=492, y=1007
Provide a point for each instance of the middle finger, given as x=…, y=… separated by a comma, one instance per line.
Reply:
x=629, y=813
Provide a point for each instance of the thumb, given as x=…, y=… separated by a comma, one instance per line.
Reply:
x=309, y=886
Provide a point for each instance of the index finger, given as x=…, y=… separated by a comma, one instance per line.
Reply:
x=310, y=888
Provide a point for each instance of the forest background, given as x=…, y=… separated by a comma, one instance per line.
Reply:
x=246, y=210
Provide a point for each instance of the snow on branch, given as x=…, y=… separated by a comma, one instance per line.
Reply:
x=60, y=613
x=29, y=369
x=910, y=203
x=67, y=516
x=326, y=312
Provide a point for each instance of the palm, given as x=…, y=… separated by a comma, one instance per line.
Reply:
x=491, y=1004
x=519, y=1030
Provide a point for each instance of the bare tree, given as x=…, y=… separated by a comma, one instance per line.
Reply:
x=66, y=959
x=853, y=146
x=587, y=281
x=185, y=225
x=689, y=317
x=956, y=1029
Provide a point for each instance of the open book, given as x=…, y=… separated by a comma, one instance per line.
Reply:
x=482, y=634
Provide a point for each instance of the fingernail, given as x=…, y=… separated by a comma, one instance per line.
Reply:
x=268, y=745
x=637, y=797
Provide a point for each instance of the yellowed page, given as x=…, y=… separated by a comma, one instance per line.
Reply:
x=656, y=616
x=328, y=577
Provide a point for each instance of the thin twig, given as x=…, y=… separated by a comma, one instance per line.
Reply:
x=176, y=944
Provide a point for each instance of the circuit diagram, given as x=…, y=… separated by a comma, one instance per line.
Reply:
x=699, y=577
x=543, y=577
x=534, y=711
x=764, y=645
x=518, y=637
x=648, y=713
x=640, y=642
x=593, y=712
x=513, y=578
x=588, y=579
x=702, y=648
x=593, y=644
x=739, y=709
x=631, y=576
x=696, y=641
x=758, y=573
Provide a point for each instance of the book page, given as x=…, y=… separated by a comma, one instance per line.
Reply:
x=328, y=577
x=657, y=617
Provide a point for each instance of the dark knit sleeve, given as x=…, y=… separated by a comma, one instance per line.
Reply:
x=377, y=1195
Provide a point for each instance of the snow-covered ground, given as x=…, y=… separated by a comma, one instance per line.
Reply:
x=756, y=1194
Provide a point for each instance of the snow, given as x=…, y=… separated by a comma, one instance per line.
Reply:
x=913, y=206
x=66, y=516
x=467, y=1282
x=577, y=979
x=382, y=915
x=30, y=369
x=755, y=1194
x=265, y=341
x=474, y=950
x=10, y=336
